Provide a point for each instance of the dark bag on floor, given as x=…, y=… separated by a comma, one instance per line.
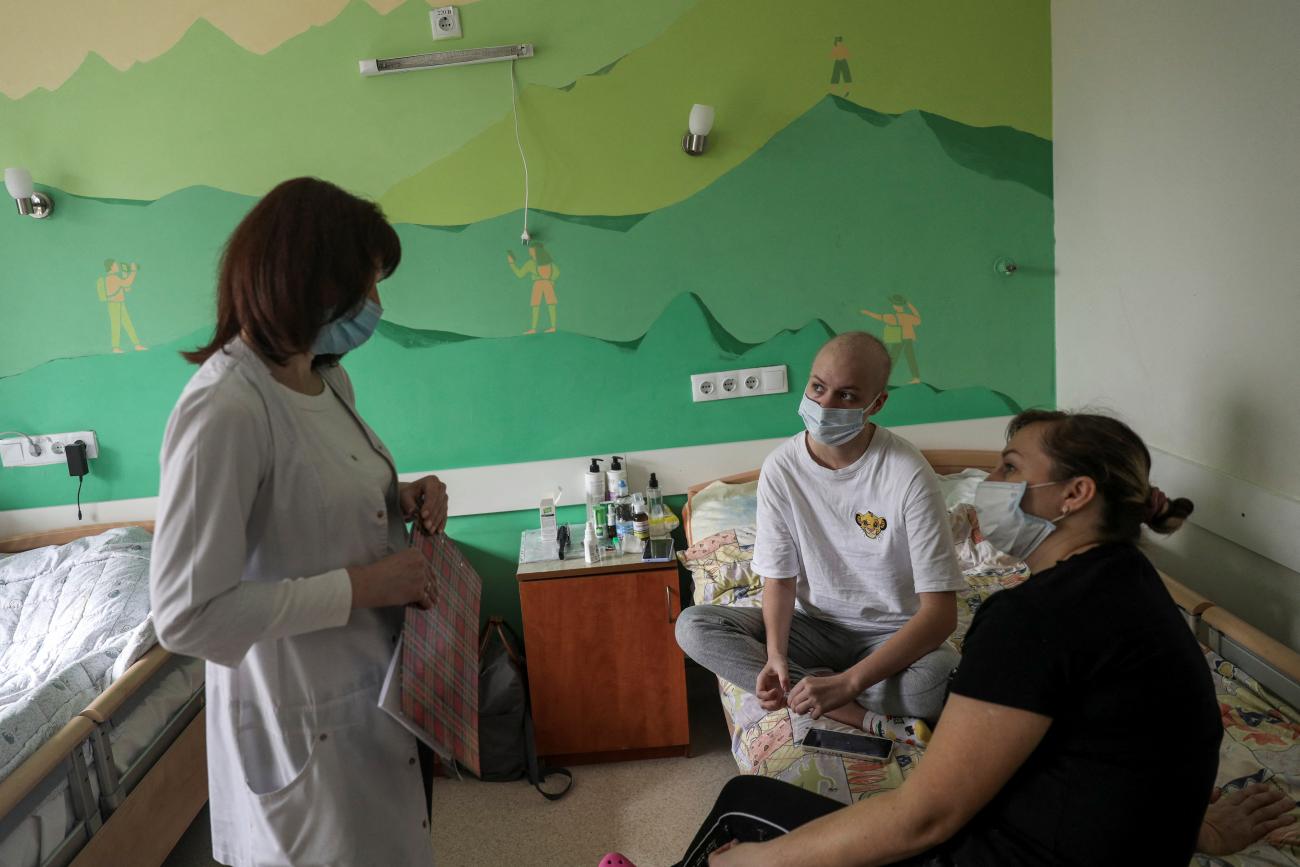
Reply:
x=505, y=724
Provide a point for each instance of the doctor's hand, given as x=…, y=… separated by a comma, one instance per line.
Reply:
x=433, y=514
x=773, y=683
x=820, y=695
x=398, y=579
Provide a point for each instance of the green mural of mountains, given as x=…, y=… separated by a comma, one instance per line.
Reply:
x=442, y=401
x=603, y=103
x=841, y=210
x=610, y=145
x=54, y=268
x=837, y=213
x=208, y=112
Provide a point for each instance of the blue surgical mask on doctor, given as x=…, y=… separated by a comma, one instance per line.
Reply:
x=346, y=334
x=1005, y=524
x=833, y=427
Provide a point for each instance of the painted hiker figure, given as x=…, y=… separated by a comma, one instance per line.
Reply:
x=544, y=271
x=840, y=69
x=900, y=332
x=856, y=555
x=117, y=280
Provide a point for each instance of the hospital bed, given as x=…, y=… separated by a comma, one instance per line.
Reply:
x=123, y=779
x=1256, y=679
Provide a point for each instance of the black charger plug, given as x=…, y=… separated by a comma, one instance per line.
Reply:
x=78, y=466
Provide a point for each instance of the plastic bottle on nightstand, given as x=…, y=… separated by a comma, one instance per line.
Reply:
x=655, y=506
x=615, y=475
x=640, y=518
x=594, y=481
x=590, y=547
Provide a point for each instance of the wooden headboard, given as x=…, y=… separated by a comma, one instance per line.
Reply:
x=944, y=461
x=28, y=541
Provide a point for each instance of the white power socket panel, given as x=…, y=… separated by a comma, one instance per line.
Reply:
x=17, y=452
x=445, y=21
x=749, y=382
x=704, y=386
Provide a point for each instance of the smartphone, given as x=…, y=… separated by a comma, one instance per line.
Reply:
x=852, y=746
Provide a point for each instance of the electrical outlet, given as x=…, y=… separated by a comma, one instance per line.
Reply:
x=704, y=386
x=727, y=384
x=445, y=21
x=17, y=451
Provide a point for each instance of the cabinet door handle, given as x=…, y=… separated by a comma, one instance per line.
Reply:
x=668, y=602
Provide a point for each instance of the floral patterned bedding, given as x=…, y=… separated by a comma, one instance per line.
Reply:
x=1262, y=734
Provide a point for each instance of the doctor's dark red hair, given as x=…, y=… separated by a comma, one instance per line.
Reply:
x=303, y=256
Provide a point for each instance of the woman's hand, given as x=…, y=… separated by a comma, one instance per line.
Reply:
x=1235, y=821
x=398, y=579
x=433, y=511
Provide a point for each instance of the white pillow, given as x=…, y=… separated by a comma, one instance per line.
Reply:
x=960, y=487
x=721, y=506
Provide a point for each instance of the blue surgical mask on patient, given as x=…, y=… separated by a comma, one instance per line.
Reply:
x=832, y=427
x=1007, y=526
x=346, y=334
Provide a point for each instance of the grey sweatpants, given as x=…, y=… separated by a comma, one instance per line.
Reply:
x=731, y=643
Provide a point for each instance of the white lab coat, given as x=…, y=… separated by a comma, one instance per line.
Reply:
x=253, y=537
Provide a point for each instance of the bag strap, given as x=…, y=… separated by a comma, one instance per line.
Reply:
x=538, y=773
x=498, y=627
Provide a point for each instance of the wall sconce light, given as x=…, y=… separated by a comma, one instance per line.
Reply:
x=701, y=123
x=30, y=203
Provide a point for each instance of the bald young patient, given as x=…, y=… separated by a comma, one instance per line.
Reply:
x=857, y=560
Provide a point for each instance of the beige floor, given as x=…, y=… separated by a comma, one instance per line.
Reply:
x=647, y=810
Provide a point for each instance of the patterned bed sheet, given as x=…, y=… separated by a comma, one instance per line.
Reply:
x=1261, y=734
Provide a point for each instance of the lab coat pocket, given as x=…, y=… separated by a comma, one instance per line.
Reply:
x=308, y=815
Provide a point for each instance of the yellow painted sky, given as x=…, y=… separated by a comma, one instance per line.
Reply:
x=46, y=40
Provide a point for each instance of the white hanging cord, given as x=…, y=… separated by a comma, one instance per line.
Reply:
x=514, y=103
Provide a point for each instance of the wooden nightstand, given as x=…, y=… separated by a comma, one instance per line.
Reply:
x=605, y=675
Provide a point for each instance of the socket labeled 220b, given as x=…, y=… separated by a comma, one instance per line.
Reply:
x=445, y=21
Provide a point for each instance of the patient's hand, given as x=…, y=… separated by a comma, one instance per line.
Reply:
x=821, y=695
x=773, y=683
x=1234, y=821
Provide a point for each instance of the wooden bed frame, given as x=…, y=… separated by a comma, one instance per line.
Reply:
x=1270, y=662
x=139, y=818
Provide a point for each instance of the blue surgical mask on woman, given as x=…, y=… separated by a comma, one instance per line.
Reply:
x=346, y=334
x=1003, y=522
x=832, y=427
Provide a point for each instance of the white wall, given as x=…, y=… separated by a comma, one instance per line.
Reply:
x=1177, y=169
x=1177, y=151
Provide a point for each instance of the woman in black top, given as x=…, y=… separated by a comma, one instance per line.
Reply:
x=1040, y=757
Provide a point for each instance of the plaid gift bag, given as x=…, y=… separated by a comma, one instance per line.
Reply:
x=440, y=654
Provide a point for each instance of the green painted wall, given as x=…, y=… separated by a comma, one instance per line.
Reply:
x=816, y=201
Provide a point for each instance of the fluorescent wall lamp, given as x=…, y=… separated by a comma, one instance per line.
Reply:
x=30, y=203
x=439, y=59
x=699, y=127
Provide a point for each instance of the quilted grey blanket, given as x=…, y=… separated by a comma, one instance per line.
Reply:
x=72, y=619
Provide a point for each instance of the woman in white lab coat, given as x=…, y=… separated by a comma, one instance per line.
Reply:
x=279, y=555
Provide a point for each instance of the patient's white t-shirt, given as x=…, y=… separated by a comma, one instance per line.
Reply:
x=862, y=541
